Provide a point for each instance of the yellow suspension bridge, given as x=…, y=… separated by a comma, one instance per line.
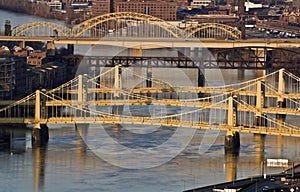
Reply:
x=255, y=106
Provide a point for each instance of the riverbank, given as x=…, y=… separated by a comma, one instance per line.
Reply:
x=31, y=8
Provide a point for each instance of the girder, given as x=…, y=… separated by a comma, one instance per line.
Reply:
x=219, y=31
x=238, y=58
x=126, y=16
x=44, y=28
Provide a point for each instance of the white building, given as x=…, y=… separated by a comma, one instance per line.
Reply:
x=200, y=3
x=250, y=5
x=57, y=5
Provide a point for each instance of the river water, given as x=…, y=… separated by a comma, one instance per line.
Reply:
x=69, y=163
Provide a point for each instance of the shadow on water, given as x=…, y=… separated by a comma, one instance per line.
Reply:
x=39, y=168
x=16, y=141
x=13, y=141
x=5, y=138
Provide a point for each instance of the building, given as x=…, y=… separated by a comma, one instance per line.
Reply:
x=249, y=5
x=55, y=5
x=161, y=9
x=296, y=3
x=200, y=3
x=214, y=17
x=47, y=76
x=12, y=78
x=291, y=16
x=100, y=7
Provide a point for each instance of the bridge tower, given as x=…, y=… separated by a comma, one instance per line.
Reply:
x=201, y=73
x=81, y=93
x=232, y=138
x=117, y=90
x=260, y=119
x=40, y=132
x=149, y=75
x=281, y=102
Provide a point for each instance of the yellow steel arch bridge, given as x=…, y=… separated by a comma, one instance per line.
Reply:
x=126, y=24
x=213, y=30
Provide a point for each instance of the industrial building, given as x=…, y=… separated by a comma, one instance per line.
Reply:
x=12, y=77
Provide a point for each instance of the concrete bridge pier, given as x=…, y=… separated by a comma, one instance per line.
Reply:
x=149, y=76
x=232, y=138
x=201, y=80
x=50, y=48
x=241, y=74
x=201, y=77
x=40, y=134
x=232, y=142
x=70, y=48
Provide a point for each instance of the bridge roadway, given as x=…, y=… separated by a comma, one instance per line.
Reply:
x=148, y=43
x=155, y=122
x=174, y=103
x=206, y=90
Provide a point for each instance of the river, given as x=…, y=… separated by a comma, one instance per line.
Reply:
x=68, y=164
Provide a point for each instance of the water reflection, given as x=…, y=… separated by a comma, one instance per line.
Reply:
x=231, y=160
x=259, y=149
x=39, y=166
x=4, y=140
x=280, y=146
x=66, y=164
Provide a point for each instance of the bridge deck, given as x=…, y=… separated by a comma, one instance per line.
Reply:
x=148, y=43
x=157, y=122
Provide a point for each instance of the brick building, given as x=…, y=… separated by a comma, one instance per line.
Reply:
x=161, y=9
x=12, y=77
x=100, y=7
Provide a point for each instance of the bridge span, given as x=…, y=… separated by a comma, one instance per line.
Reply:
x=256, y=106
x=151, y=43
